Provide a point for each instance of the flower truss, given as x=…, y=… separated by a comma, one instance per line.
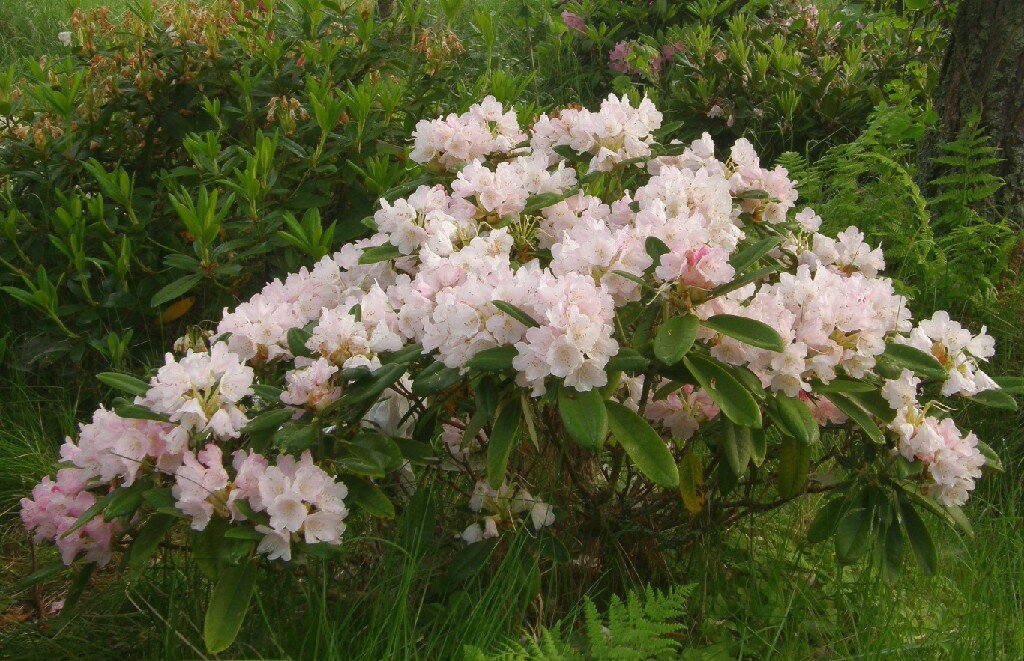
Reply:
x=573, y=322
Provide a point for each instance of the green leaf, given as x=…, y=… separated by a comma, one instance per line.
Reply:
x=656, y=248
x=626, y=360
x=919, y=537
x=852, y=535
x=435, y=378
x=296, y=436
x=228, y=606
x=826, y=520
x=89, y=514
x=735, y=401
x=41, y=575
x=124, y=382
x=737, y=447
x=643, y=445
x=748, y=256
x=136, y=412
x=842, y=385
x=267, y=393
x=675, y=337
x=691, y=482
x=297, y=339
x=177, y=288
x=1010, y=384
x=504, y=433
x=268, y=420
x=368, y=496
x=915, y=360
x=748, y=331
x=858, y=415
x=516, y=314
x=996, y=398
x=992, y=460
x=794, y=463
x=892, y=556
x=468, y=562
x=382, y=379
x=797, y=419
x=584, y=416
x=492, y=360
x=379, y=254
x=758, y=446
x=148, y=539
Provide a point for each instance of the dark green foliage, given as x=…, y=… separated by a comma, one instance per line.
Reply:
x=152, y=175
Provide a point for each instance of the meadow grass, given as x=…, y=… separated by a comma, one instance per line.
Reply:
x=29, y=28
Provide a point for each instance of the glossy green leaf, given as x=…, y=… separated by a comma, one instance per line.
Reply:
x=643, y=445
x=675, y=337
x=517, y=314
x=727, y=392
x=504, y=434
x=228, y=606
x=797, y=419
x=858, y=415
x=915, y=360
x=124, y=383
x=490, y=360
x=794, y=464
x=748, y=331
x=919, y=537
x=584, y=416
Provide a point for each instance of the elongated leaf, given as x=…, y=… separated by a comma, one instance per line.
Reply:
x=794, y=463
x=842, y=385
x=915, y=360
x=735, y=401
x=89, y=514
x=136, y=412
x=228, y=606
x=919, y=537
x=758, y=446
x=748, y=331
x=175, y=289
x=996, y=398
x=675, y=337
x=1010, y=384
x=643, y=445
x=744, y=280
x=797, y=419
x=504, y=434
x=149, y=538
x=368, y=496
x=297, y=339
x=853, y=535
x=749, y=255
x=41, y=575
x=627, y=360
x=737, y=447
x=859, y=416
x=584, y=416
x=268, y=420
x=516, y=314
x=490, y=360
x=992, y=460
x=124, y=383
x=827, y=518
x=379, y=254
x=691, y=482
x=892, y=555
x=434, y=378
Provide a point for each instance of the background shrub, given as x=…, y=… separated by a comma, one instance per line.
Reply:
x=170, y=160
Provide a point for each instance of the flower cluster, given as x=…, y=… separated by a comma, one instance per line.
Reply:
x=517, y=255
x=953, y=460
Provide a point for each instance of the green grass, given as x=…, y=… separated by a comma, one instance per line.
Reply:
x=29, y=28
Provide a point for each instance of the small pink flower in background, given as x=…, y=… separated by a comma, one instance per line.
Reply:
x=574, y=21
x=617, y=57
x=56, y=606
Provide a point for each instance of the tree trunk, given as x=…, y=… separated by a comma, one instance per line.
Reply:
x=983, y=69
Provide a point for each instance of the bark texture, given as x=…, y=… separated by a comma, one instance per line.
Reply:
x=983, y=69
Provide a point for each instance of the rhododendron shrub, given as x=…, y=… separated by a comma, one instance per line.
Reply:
x=579, y=325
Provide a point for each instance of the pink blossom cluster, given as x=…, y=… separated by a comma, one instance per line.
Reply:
x=299, y=497
x=953, y=460
x=958, y=350
x=55, y=507
x=486, y=129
